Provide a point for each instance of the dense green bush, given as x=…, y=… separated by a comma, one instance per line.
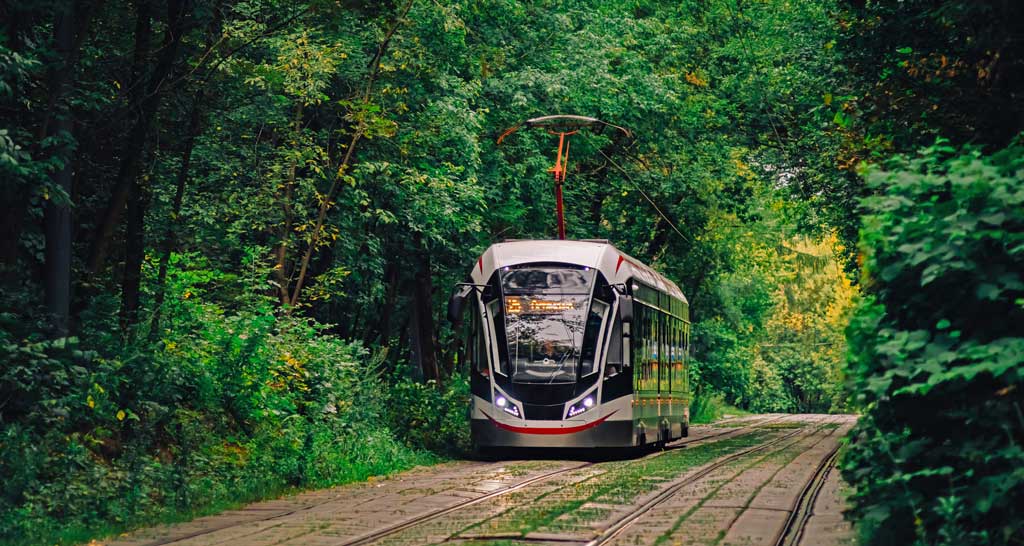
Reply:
x=236, y=401
x=937, y=352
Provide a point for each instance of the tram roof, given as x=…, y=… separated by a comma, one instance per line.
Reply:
x=596, y=253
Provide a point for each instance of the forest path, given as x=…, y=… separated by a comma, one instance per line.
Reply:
x=760, y=480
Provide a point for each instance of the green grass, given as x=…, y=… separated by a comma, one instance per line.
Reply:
x=706, y=409
x=783, y=456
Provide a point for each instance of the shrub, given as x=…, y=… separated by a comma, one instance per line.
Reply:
x=936, y=352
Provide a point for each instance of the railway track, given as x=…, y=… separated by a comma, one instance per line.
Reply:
x=387, y=531
x=624, y=523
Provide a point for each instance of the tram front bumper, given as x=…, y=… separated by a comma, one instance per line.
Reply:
x=569, y=434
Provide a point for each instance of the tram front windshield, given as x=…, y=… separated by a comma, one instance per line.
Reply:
x=545, y=316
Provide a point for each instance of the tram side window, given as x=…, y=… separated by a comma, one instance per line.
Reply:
x=634, y=344
x=686, y=353
x=592, y=346
x=659, y=361
x=637, y=344
x=648, y=349
x=677, y=376
x=478, y=344
x=613, y=364
x=495, y=312
x=672, y=352
x=678, y=383
x=647, y=357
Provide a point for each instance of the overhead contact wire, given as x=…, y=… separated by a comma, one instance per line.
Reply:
x=642, y=192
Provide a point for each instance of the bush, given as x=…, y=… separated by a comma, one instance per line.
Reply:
x=936, y=352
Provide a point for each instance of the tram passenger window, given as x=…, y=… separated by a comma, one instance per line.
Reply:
x=663, y=352
x=656, y=330
x=670, y=352
x=634, y=341
x=677, y=357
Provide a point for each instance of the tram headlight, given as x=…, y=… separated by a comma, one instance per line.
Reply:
x=580, y=407
x=507, y=406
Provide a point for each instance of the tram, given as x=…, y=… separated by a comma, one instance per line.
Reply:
x=572, y=344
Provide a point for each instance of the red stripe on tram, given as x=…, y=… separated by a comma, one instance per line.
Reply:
x=548, y=430
x=480, y=262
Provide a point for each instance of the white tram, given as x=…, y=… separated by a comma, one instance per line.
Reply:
x=572, y=344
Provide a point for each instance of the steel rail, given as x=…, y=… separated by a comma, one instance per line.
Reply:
x=690, y=441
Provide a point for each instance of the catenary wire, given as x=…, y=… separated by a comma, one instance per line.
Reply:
x=642, y=192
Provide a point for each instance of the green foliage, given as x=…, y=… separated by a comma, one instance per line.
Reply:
x=904, y=72
x=936, y=351
x=777, y=345
x=232, y=404
x=432, y=417
x=352, y=145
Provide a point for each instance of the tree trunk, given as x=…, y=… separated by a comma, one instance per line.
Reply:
x=281, y=269
x=423, y=316
x=57, y=215
x=138, y=199
x=391, y=277
x=135, y=250
x=170, y=239
x=127, y=177
x=57, y=218
x=346, y=162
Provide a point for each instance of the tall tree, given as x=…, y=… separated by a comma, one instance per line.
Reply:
x=177, y=22
x=71, y=21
